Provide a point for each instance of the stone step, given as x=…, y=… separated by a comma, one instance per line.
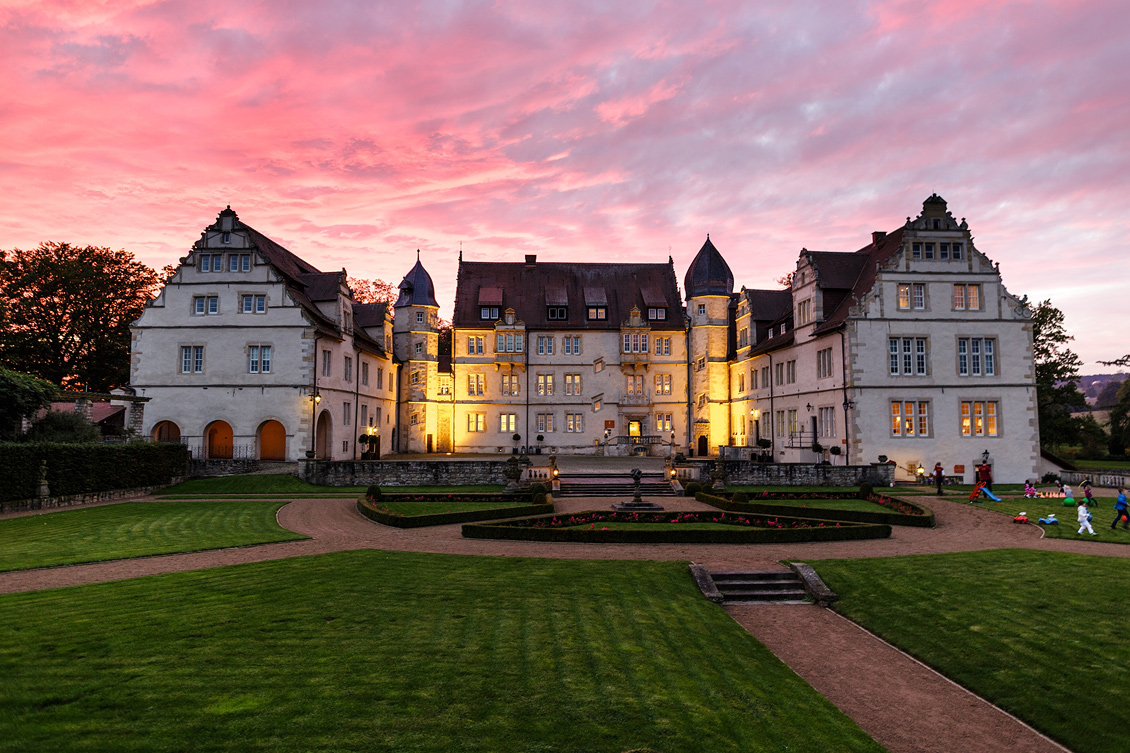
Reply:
x=756, y=595
x=723, y=575
x=758, y=585
x=764, y=585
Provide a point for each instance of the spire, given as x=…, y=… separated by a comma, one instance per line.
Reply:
x=709, y=274
x=416, y=289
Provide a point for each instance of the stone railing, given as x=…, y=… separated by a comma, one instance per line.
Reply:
x=746, y=473
x=402, y=472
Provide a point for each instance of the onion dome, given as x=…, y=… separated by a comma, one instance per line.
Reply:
x=709, y=274
x=416, y=289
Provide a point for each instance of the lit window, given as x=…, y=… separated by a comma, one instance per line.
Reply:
x=662, y=384
x=572, y=384
x=912, y=295
x=574, y=423
x=979, y=419
x=507, y=422
x=476, y=422
x=598, y=313
x=910, y=418
x=966, y=297
x=545, y=384
x=510, y=384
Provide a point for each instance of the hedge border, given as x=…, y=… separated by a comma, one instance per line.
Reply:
x=77, y=469
x=370, y=511
x=519, y=530
x=925, y=520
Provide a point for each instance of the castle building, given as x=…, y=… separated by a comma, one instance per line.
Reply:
x=909, y=349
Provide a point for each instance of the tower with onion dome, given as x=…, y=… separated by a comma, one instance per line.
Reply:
x=709, y=287
x=416, y=345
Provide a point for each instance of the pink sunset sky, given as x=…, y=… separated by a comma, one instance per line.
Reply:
x=356, y=132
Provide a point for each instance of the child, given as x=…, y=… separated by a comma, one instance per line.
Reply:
x=1120, y=510
x=1029, y=490
x=1084, y=518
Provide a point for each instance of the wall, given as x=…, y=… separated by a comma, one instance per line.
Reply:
x=77, y=500
x=745, y=473
x=402, y=472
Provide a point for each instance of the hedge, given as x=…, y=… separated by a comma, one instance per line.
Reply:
x=524, y=530
x=87, y=468
x=373, y=512
x=923, y=519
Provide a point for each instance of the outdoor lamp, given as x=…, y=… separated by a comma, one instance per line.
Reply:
x=556, y=472
x=755, y=413
x=985, y=457
x=921, y=471
x=674, y=473
x=317, y=398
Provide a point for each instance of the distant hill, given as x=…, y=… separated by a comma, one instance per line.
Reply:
x=1100, y=389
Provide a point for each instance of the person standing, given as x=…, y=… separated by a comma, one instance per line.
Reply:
x=985, y=475
x=1120, y=511
x=939, y=475
x=1084, y=518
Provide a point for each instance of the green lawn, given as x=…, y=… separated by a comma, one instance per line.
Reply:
x=276, y=484
x=1103, y=465
x=1040, y=634
x=435, y=507
x=136, y=529
x=388, y=651
x=1102, y=514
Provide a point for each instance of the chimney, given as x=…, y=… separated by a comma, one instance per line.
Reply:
x=531, y=259
x=877, y=236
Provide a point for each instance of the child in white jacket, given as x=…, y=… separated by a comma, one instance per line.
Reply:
x=1085, y=519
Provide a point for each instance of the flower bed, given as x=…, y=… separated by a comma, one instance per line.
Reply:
x=902, y=513
x=742, y=528
x=488, y=507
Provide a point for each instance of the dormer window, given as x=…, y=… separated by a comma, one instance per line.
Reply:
x=657, y=313
x=598, y=313
x=488, y=313
x=557, y=313
x=225, y=238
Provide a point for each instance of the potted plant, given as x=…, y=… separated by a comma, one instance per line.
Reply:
x=882, y=458
x=541, y=438
x=517, y=438
x=835, y=450
x=817, y=448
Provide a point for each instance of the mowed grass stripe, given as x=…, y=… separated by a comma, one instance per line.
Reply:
x=400, y=651
x=137, y=529
x=1040, y=634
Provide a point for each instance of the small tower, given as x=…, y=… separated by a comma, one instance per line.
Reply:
x=416, y=346
x=709, y=286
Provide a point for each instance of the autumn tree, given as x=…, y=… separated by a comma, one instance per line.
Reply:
x=371, y=291
x=1057, y=375
x=67, y=312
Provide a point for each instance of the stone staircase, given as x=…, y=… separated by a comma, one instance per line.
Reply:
x=613, y=485
x=756, y=586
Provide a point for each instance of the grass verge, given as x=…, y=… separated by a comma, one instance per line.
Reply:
x=1040, y=634
x=136, y=529
x=1102, y=514
x=398, y=651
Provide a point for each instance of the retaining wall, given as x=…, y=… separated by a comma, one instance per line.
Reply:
x=746, y=473
x=402, y=472
x=77, y=500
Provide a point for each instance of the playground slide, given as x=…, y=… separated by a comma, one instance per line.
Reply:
x=979, y=490
x=990, y=495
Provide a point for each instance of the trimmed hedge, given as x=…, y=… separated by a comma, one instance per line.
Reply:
x=87, y=468
x=524, y=530
x=375, y=513
x=923, y=519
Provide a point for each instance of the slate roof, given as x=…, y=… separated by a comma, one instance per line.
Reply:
x=867, y=260
x=708, y=274
x=526, y=288
x=416, y=289
x=369, y=314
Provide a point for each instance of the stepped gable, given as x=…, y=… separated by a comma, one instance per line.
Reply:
x=708, y=274
x=530, y=287
x=416, y=289
x=867, y=260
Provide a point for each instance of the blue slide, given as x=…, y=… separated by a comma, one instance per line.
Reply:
x=990, y=495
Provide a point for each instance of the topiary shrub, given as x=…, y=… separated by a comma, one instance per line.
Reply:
x=866, y=490
x=692, y=488
x=741, y=497
x=373, y=493
x=538, y=488
x=539, y=498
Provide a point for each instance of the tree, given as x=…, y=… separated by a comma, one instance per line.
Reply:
x=1057, y=374
x=21, y=395
x=371, y=291
x=68, y=312
x=63, y=426
x=1108, y=395
x=1120, y=421
x=786, y=281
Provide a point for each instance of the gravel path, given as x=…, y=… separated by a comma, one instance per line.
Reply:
x=901, y=703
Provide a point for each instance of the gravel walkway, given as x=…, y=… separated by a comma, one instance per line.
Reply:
x=901, y=703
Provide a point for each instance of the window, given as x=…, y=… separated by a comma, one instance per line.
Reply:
x=597, y=404
x=546, y=422
x=780, y=423
x=827, y=422
x=445, y=385
x=225, y=238
x=346, y=413
x=663, y=422
x=211, y=263
x=598, y=313
x=365, y=420
x=557, y=313
x=765, y=377
x=508, y=343
x=510, y=384
x=476, y=422
x=571, y=345
x=782, y=328
x=927, y=250
x=572, y=384
x=656, y=314
x=635, y=342
x=662, y=384
x=365, y=373
x=916, y=251
x=976, y=356
x=662, y=346
x=326, y=356
x=701, y=399
x=191, y=359
x=545, y=346
x=790, y=372
x=414, y=377
x=794, y=426
x=418, y=349
x=380, y=377
x=956, y=250
x=979, y=418
x=910, y=418
x=700, y=364
x=508, y=422
x=966, y=297
x=545, y=384
x=702, y=309
x=824, y=363
x=259, y=359
x=204, y=305
x=414, y=419
x=912, y=295
x=239, y=263
x=741, y=382
x=907, y=356
x=780, y=373
x=488, y=313
x=753, y=379
x=574, y=423
x=348, y=366
x=743, y=337
x=635, y=384
x=474, y=384
x=475, y=345
x=598, y=365
x=804, y=312
x=419, y=317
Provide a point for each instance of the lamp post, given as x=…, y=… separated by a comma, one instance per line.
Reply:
x=314, y=400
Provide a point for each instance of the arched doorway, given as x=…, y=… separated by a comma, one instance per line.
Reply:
x=166, y=431
x=219, y=437
x=703, y=450
x=272, y=441
x=324, y=442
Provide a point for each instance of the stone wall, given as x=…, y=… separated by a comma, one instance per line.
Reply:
x=1111, y=479
x=746, y=473
x=231, y=466
x=402, y=472
x=77, y=500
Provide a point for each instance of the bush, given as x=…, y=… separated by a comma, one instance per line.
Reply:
x=538, y=488
x=87, y=468
x=866, y=490
x=62, y=426
x=692, y=488
x=1049, y=478
x=539, y=498
x=740, y=497
x=373, y=492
